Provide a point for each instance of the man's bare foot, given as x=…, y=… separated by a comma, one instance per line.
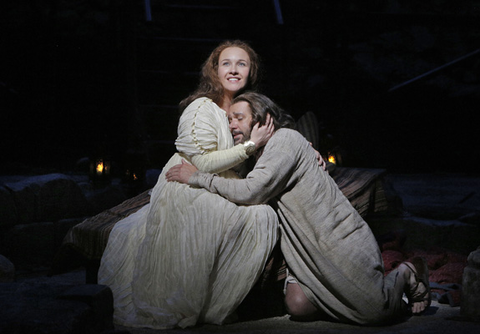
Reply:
x=418, y=288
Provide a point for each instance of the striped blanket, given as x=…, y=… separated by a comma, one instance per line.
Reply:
x=87, y=240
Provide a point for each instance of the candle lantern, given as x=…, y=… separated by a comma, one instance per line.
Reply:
x=134, y=171
x=134, y=174
x=334, y=157
x=100, y=171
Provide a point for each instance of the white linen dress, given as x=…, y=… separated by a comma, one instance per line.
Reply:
x=189, y=256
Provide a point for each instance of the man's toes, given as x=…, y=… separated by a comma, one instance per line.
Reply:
x=416, y=308
x=419, y=307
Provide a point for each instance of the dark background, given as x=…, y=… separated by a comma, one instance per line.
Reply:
x=86, y=78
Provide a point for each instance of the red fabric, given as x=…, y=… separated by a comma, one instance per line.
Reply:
x=448, y=273
x=444, y=266
x=435, y=258
x=392, y=259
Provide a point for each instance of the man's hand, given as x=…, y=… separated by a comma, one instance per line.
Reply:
x=262, y=133
x=320, y=160
x=181, y=172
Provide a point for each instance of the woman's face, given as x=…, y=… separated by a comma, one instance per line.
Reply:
x=233, y=69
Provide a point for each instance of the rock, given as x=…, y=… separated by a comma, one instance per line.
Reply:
x=47, y=198
x=98, y=297
x=61, y=229
x=43, y=306
x=471, y=287
x=30, y=245
x=471, y=218
x=7, y=270
x=8, y=213
x=104, y=198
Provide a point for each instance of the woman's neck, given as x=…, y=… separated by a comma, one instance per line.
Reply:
x=226, y=102
x=227, y=99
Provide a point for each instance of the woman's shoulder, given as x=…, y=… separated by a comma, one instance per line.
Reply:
x=201, y=105
x=201, y=102
x=202, y=113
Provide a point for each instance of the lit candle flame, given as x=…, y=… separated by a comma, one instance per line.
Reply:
x=100, y=167
x=331, y=158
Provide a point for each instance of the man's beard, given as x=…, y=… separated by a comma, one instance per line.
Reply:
x=242, y=140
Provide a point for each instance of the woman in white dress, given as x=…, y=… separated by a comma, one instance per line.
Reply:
x=190, y=256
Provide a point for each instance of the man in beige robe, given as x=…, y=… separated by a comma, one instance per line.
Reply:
x=330, y=251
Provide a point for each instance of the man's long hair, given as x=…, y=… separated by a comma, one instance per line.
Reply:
x=210, y=85
x=260, y=105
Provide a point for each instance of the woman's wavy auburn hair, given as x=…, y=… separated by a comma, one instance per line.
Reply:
x=210, y=85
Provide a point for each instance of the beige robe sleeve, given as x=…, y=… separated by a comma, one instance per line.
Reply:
x=273, y=173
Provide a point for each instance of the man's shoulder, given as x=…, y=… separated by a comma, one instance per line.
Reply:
x=288, y=134
x=287, y=139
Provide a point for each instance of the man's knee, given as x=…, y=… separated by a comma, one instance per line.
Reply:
x=297, y=304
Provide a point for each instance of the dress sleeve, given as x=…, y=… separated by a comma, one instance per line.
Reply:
x=219, y=161
x=204, y=137
x=273, y=173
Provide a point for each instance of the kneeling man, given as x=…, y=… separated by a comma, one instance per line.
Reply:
x=334, y=261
